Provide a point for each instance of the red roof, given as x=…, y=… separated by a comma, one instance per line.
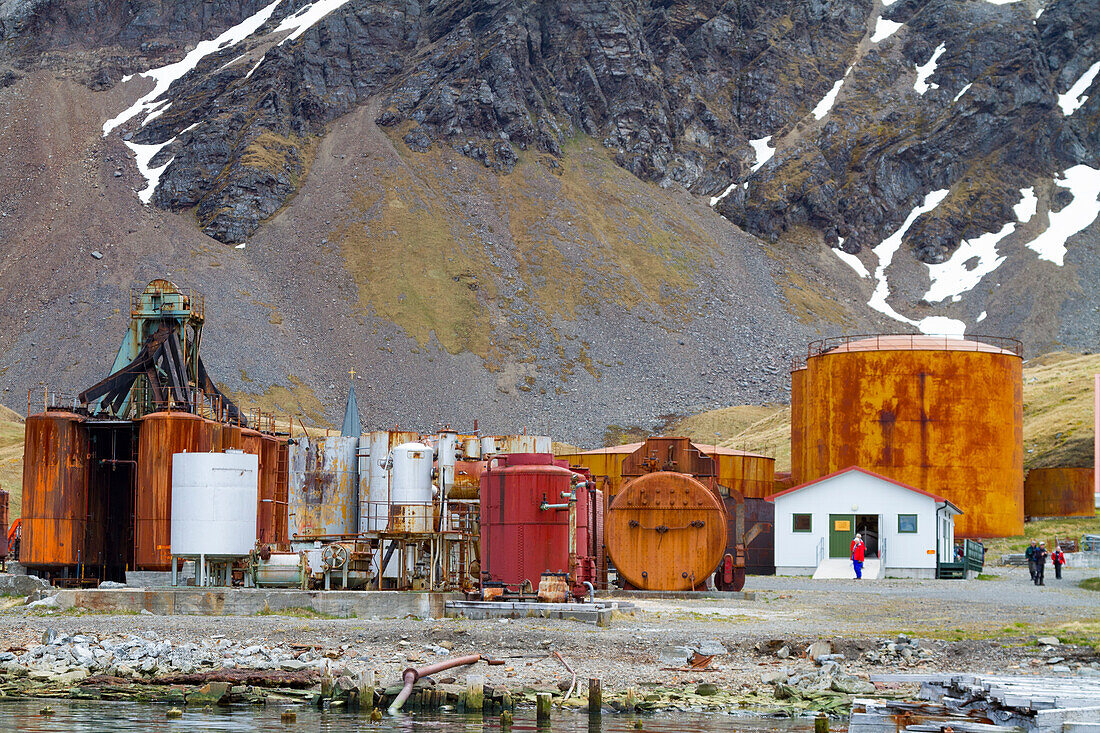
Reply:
x=887, y=479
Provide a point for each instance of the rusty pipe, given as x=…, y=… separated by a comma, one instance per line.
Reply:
x=411, y=675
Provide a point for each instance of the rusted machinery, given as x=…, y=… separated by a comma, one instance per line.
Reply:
x=538, y=518
x=97, y=467
x=1059, y=492
x=3, y=528
x=738, y=479
x=942, y=414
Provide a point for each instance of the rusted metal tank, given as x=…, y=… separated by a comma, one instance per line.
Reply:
x=666, y=531
x=374, y=477
x=323, y=486
x=942, y=414
x=750, y=474
x=160, y=436
x=605, y=465
x=4, y=510
x=504, y=444
x=525, y=519
x=467, y=480
x=1059, y=492
x=272, y=492
x=759, y=537
x=55, y=491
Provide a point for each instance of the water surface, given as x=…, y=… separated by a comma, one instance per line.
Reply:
x=23, y=715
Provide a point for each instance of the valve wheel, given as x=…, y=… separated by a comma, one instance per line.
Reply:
x=335, y=556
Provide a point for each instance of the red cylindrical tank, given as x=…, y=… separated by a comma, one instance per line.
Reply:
x=55, y=490
x=519, y=540
x=1059, y=492
x=161, y=435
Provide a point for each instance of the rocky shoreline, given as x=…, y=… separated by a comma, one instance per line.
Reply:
x=147, y=667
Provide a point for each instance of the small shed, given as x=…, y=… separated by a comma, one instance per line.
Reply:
x=907, y=531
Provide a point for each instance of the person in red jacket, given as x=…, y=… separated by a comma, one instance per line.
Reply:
x=857, y=556
x=1059, y=559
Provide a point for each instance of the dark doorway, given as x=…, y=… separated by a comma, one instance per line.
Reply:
x=111, y=480
x=867, y=527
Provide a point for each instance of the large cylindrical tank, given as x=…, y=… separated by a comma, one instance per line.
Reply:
x=520, y=541
x=1059, y=492
x=214, y=503
x=666, y=531
x=55, y=490
x=750, y=474
x=492, y=445
x=944, y=415
x=411, y=488
x=374, y=477
x=4, y=511
x=161, y=436
x=323, y=486
x=272, y=492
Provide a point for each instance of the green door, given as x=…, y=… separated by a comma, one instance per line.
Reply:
x=842, y=528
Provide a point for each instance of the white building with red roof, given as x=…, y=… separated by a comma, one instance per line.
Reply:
x=906, y=531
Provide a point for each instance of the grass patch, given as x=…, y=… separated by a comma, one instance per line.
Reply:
x=988, y=576
x=297, y=399
x=298, y=612
x=11, y=461
x=1047, y=530
x=1058, y=425
x=1090, y=584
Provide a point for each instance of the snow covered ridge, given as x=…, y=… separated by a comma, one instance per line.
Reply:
x=978, y=257
x=152, y=103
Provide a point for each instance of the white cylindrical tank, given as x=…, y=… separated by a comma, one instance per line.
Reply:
x=214, y=503
x=411, y=508
x=446, y=452
x=411, y=474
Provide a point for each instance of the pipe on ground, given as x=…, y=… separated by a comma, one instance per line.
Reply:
x=411, y=675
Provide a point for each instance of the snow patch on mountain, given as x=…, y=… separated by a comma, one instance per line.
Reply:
x=925, y=71
x=164, y=76
x=1084, y=183
x=1072, y=100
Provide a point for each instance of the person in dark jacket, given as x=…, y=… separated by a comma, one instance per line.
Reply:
x=1040, y=563
x=1058, y=559
x=1029, y=553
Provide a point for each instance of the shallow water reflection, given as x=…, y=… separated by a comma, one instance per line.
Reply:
x=24, y=715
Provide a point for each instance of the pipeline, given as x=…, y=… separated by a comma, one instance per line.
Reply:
x=411, y=675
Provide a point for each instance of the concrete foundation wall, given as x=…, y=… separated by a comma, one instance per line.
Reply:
x=251, y=601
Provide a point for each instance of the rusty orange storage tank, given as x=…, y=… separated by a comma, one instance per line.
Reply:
x=55, y=490
x=750, y=474
x=270, y=504
x=3, y=524
x=1059, y=492
x=161, y=435
x=666, y=531
x=942, y=414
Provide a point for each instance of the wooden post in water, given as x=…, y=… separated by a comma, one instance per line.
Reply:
x=366, y=690
x=595, y=696
x=475, y=693
x=821, y=723
x=542, y=704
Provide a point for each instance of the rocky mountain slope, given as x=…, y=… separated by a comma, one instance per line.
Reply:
x=501, y=210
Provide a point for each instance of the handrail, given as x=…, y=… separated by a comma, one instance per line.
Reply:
x=926, y=343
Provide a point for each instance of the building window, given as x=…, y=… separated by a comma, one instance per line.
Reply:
x=803, y=522
x=907, y=523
